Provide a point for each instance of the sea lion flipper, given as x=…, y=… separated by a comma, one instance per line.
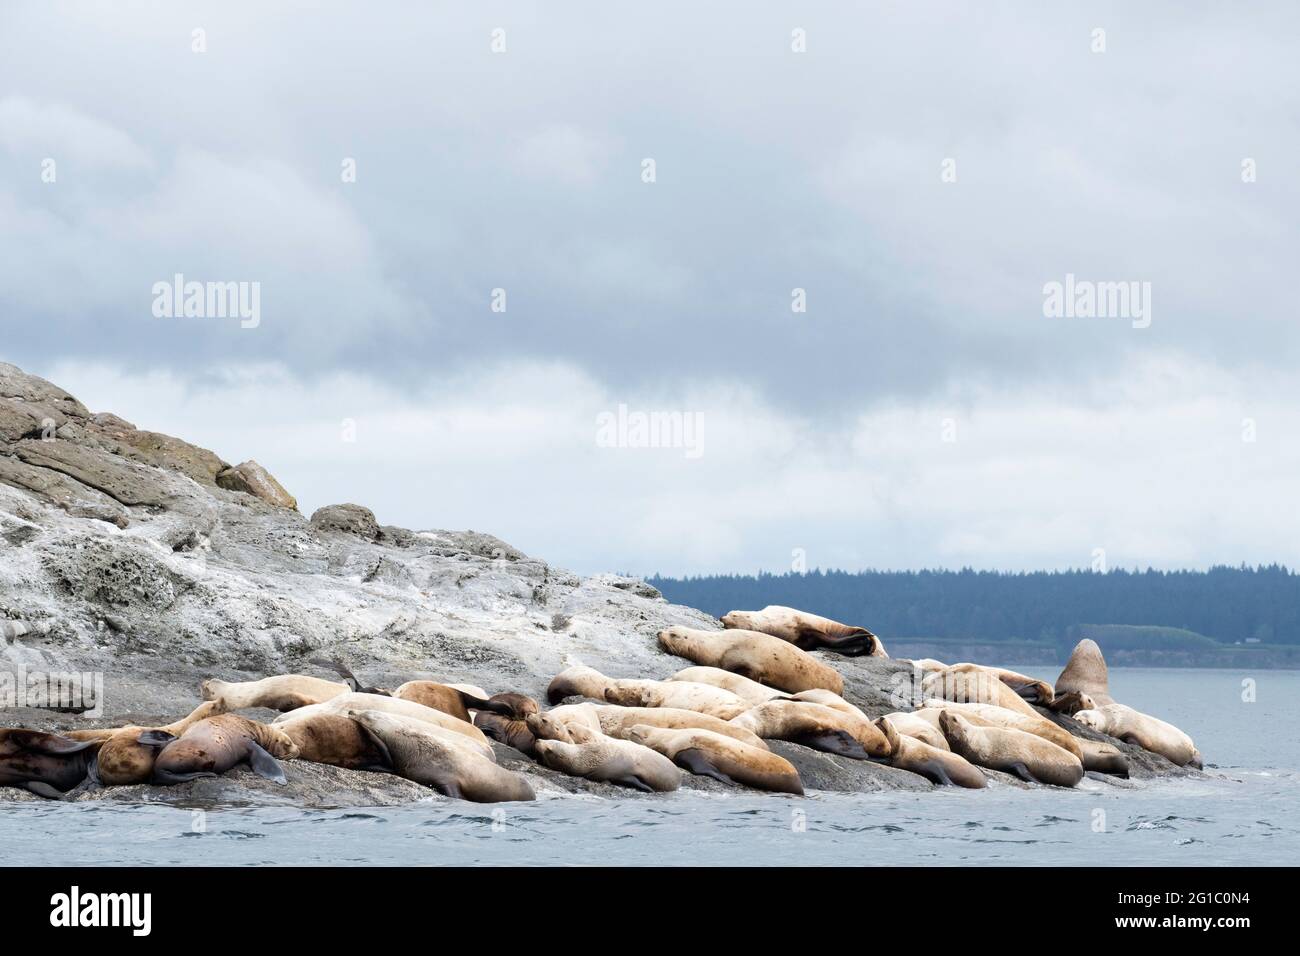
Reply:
x=92, y=771
x=43, y=789
x=698, y=762
x=264, y=765
x=632, y=780
x=379, y=745
x=1021, y=771
x=155, y=738
x=934, y=769
x=836, y=742
x=40, y=742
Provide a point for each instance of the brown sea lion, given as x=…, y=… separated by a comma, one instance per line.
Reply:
x=683, y=695
x=937, y=766
x=722, y=758
x=450, y=699
x=47, y=765
x=345, y=703
x=1134, y=727
x=815, y=726
x=990, y=715
x=760, y=657
x=807, y=631
x=214, y=745
x=1103, y=757
x=1071, y=703
x=973, y=683
x=1085, y=672
x=425, y=755
x=1028, y=756
x=283, y=692
x=752, y=691
x=338, y=741
x=616, y=721
x=1031, y=689
x=507, y=723
x=127, y=753
x=595, y=756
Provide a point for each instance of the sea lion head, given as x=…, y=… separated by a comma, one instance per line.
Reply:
x=546, y=727
x=644, y=734
x=1091, y=718
x=891, y=733
x=278, y=744
x=741, y=620
x=1073, y=702
x=212, y=689
x=953, y=727
x=515, y=706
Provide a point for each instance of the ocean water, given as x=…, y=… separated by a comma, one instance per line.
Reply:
x=1246, y=813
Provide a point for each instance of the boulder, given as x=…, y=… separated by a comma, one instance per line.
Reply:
x=252, y=479
x=348, y=519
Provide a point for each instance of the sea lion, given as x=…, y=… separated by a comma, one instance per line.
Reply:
x=478, y=748
x=127, y=754
x=990, y=715
x=1134, y=727
x=577, y=681
x=1028, y=756
x=760, y=657
x=937, y=766
x=815, y=726
x=1103, y=757
x=47, y=765
x=752, y=691
x=216, y=744
x=911, y=725
x=418, y=752
x=349, y=678
x=683, y=695
x=597, y=757
x=1071, y=703
x=1031, y=689
x=448, y=699
x=722, y=758
x=807, y=631
x=1086, y=673
x=828, y=699
x=344, y=703
x=616, y=721
x=507, y=723
x=972, y=683
x=284, y=692
x=337, y=740
x=929, y=664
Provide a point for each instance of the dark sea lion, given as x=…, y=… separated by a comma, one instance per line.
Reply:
x=450, y=700
x=1071, y=703
x=760, y=657
x=127, y=754
x=723, y=758
x=217, y=744
x=807, y=631
x=937, y=766
x=425, y=755
x=1086, y=673
x=338, y=741
x=47, y=765
x=595, y=756
x=283, y=692
x=507, y=722
x=815, y=726
x=1026, y=755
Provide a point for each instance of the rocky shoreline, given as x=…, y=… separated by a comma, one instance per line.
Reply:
x=157, y=564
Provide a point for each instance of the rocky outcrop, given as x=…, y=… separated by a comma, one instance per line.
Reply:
x=138, y=559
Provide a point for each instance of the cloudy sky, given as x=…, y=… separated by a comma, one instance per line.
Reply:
x=920, y=170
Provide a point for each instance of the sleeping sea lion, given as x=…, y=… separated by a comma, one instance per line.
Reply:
x=336, y=740
x=344, y=703
x=937, y=766
x=597, y=757
x=1028, y=756
x=1103, y=757
x=577, y=681
x=127, y=754
x=47, y=765
x=616, y=721
x=284, y=692
x=216, y=744
x=449, y=699
x=420, y=753
x=989, y=715
x=828, y=699
x=722, y=758
x=972, y=683
x=760, y=657
x=1031, y=689
x=507, y=722
x=807, y=631
x=911, y=725
x=1149, y=733
x=1071, y=703
x=683, y=695
x=815, y=726
x=752, y=691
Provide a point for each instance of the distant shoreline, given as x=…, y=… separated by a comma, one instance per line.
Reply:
x=1033, y=652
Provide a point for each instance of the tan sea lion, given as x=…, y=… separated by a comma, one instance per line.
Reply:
x=911, y=725
x=937, y=766
x=752, y=691
x=722, y=758
x=828, y=699
x=128, y=753
x=815, y=726
x=344, y=703
x=929, y=664
x=990, y=715
x=47, y=765
x=338, y=741
x=478, y=748
x=1028, y=756
x=971, y=683
x=1086, y=673
x=284, y=692
x=577, y=681
x=419, y=752
x=807, y=631
x=1134, y=727
x=760, y=657
x=507, y=721
x=214, y=745
x=1103, y=757
x=616, y=721
x=597, y=757
x=683, y=695
x=1031, y=689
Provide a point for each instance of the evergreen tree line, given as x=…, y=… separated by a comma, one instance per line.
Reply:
x=1228, y=604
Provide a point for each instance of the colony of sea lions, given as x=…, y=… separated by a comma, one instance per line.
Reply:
x=767, y=677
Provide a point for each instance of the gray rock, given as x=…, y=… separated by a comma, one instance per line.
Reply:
x=252, y=479
x=348, y=519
